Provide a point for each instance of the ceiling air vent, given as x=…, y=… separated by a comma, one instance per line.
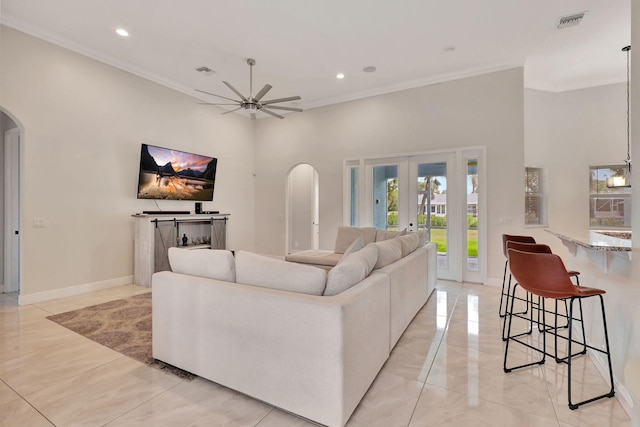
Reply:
x=569, y=20
x=205, y=70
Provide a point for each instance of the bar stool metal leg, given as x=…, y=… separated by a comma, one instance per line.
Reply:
x=611, y=392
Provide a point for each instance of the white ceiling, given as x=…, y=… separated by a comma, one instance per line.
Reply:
x=300, y=45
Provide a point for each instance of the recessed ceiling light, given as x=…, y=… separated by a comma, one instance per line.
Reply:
x=122, y=32
x=369, y=69
x=340, y=76
x=449, y=49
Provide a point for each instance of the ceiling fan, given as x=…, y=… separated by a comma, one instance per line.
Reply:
x=252, y=103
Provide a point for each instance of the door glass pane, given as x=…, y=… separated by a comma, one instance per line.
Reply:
x=385, y=197
x=472, y=215
x=432, y=206
x=354, y=196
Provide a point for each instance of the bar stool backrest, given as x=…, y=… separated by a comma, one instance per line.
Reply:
x=542, y=274
x=529, y=247
x=513, y=238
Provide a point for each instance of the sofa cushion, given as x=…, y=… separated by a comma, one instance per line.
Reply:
x=354, y=247
x=382, y=235
x=267, y=272
x=347, y=235
x=315, y=257
x=423, y=236
x=389, y=251
x=211, y=264
x=353, y=269
x=409, y=243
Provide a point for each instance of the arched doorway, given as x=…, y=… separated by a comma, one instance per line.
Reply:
x=302, y=223
x=10, y=224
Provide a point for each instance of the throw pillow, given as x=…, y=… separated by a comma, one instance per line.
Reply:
x=382, y=235
x=422, y=235
x=354, y=247
x=347, y=235
x=389, y=251
x=211, y=264
x=267, y=272
x=353, y=269
x=409, y=243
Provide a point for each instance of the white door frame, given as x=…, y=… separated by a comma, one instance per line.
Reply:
x=12, y=209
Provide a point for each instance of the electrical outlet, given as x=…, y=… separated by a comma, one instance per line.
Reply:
x=87, y=273
x=38, y=223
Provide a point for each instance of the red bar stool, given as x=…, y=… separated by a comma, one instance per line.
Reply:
x=509, y=238
x=544, y=249
x=544, y=275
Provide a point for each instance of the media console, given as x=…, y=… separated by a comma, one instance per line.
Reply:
x=156, y=233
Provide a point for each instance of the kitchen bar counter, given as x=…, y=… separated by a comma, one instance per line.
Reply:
x=599, y=247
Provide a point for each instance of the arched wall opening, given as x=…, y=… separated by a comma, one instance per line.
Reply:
x=10, y=213
x=302, y=207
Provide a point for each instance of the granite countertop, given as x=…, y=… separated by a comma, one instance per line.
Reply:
x=605, y=240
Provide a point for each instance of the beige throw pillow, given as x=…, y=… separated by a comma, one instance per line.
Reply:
x=352, y=270
x=389, y=251
x=354, y=247
x=382, y=235
x=347, y=235
x=211, y=264
x=409, y=243
x=266, y=272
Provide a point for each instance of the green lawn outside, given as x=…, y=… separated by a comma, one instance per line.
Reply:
x=439, y=236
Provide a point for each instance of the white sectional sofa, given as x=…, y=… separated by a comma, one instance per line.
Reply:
x=310, y=354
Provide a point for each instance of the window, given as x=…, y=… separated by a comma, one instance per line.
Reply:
x=608, y=207
x=354, y=195
x=535, y=196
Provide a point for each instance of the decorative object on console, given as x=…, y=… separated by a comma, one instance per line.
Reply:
x=625, y=179
x=252, y=104
x=175, y=175
x=185, y=240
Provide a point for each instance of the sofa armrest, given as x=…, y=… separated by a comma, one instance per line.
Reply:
x=312, y=355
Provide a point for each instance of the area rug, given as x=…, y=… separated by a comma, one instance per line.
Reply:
x=123, y=325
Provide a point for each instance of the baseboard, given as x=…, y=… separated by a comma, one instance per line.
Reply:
x=623, y=395
x=73, y=290
x=493, y=281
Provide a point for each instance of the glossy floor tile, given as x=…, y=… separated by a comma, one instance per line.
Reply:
x=446, y=370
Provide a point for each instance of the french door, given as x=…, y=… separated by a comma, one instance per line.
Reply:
x=439, y=192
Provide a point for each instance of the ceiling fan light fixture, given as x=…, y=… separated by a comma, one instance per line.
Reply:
x=254, y=103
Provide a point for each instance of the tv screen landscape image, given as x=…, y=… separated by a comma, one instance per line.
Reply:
x=175, y=175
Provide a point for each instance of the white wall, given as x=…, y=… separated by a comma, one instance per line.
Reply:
x=567, y=132
x=83, y=123
x=485, y=110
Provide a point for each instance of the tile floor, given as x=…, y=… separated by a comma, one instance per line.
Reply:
x=445, y=371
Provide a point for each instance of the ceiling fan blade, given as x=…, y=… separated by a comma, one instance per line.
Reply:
x=209, y=103
x=275, y=107
x=231, y=111
x=274, y=101
x=235, y=91
x=262, y=92
x=219, y=96
x=264, y=110
x=253, y=116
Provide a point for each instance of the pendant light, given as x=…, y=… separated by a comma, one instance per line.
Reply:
x=624, y=180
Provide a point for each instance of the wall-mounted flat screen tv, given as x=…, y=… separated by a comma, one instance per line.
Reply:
x=175, y=175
